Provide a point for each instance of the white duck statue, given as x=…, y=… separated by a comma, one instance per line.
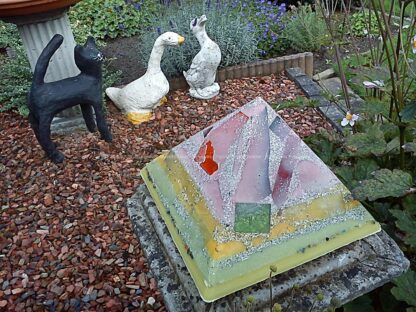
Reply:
x=201, y=75
x=140, y=97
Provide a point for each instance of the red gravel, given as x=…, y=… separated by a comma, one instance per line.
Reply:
x=65, y=239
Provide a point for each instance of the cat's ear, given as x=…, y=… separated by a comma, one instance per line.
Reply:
x=90, y=42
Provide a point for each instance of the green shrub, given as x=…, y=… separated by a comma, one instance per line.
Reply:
x=9, y=36
x=112, y=18
x=305, y=30
x=225, y=26
x=15, y=81
x=363, y=24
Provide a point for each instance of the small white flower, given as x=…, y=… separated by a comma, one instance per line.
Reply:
x=365, y=31
x=376, y=84
x=414, y=44
x=349, y=119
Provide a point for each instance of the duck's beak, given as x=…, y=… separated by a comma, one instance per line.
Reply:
x=181, y=40
x=202, y=20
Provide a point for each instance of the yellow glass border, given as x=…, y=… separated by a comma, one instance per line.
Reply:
x=210, y=294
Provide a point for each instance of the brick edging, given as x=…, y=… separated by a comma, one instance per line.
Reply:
x=259, y=68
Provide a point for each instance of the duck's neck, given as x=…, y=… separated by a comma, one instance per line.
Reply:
x=202, y=37
x=155, y=57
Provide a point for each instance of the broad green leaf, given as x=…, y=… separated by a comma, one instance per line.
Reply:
x=364, y=168
x=409, y=112
x=387, y=302
x=407, y=223
x=373, y=107
x=366, y=144
x=385, y=183
x=326, y=146
x=405, y=289
x=351, y=175
x=361, y=304
x=382, y=211
x=393, y=146
x=390, y=130
x=409, y=203
x=346, y=175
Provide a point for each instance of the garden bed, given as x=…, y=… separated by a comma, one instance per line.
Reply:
x=67, y=239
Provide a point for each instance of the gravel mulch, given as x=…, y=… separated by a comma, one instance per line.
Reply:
x=66, y=242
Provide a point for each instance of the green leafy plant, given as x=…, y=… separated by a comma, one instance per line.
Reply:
x=226, y=27
x=8, y=35
x=405, y=289
x=305, y=30
x=363, y=23
x=16, y=78
x=384, y=183
x=376, y=156
x=112, y=18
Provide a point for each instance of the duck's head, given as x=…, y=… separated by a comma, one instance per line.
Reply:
x=171, y=39
x=198, y=24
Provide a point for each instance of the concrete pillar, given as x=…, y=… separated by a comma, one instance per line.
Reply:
x=36, y=36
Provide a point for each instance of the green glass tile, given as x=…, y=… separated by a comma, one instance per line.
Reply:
x=252, y=218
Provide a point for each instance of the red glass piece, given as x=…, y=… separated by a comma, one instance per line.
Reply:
x=209, y=165
x=285, y=171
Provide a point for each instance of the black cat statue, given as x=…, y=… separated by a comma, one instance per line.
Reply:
x=45, y=100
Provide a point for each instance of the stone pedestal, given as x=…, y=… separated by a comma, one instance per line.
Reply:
x=339, y=276
x=36, y=34
x=36, y=31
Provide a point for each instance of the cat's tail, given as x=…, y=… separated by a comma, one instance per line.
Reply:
x=45, y=57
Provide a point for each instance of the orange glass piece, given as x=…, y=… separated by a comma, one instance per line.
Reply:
x=209, y=165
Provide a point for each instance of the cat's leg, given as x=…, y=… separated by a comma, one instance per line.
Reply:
x=34, y=123
x=101, y=123
x=45, y=140
x=86, y=110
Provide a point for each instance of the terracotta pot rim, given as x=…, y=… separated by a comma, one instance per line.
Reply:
x=27, y=7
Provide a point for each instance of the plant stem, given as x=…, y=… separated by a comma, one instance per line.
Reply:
x=328, y=21
x=271, y=291
x=313, y=305
x=402, y=141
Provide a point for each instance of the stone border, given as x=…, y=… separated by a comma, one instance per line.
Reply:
x=259, y=68
x=315, y=92
x=343, y=274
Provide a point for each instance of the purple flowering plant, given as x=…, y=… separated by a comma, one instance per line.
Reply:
x=265, y=19
x=235, y=34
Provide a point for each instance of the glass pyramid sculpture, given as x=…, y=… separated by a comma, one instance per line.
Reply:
x=247, y=193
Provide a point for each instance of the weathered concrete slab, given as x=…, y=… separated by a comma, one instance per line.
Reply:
x=341, y=275
x=63, y=125
x=327, y=88
x=329, y=73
